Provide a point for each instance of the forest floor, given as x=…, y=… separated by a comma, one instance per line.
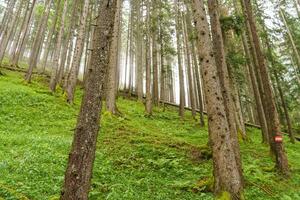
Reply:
x=138, y=157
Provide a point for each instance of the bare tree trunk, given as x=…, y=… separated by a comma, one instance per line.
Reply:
x=73, y=74
x=179, y=61
x=223, y=74
x=139, y=53
x=296, y=53
x=56, y=68
x=24, y=33
x=38, y=40
x=9, y=15
x=111, y=84
x=14, y=47
x=270, y=110
x=127, y=50
x=154, y=36
x=50, y=36
x=189, y=68
x=10, y=30
x=81, y=158
x=227, y=174
x=148, y=106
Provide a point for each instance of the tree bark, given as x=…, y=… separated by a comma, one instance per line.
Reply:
x=38, y=40
x=111, y=94
x=80, y=164
x=74, y=70
x=270, y=110
x=223, y=74
x=56, y=67
x=227, y=175
x=179, y=60
x=189, y=68
x=148, y=106
x=10, y=30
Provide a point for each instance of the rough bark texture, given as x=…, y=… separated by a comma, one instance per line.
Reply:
x=56, y=67
x=228, y=179
x=179, y=62
x=50, y=36
x=148, y=106
x=154, y=55
x=296, y=53
x=270, y=108
x=24, y=33
x=196, y=68
x=73, y=74
x=111, y=94
x=223, y=74
x=285, y=108
x=189, y=68
x=80, y=164
x=10, y=31
x=34, y=54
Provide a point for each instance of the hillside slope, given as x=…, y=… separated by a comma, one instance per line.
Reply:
x=138, y=157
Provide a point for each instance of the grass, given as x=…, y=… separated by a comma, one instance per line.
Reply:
x=137, y=157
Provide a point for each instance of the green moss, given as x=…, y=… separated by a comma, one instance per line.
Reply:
x=224, y=196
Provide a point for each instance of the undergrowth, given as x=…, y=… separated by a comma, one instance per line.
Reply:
x=138, y=157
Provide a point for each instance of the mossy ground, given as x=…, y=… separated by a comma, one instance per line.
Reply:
x=137, y=157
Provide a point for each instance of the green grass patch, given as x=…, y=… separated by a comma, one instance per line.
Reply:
x=138, y=157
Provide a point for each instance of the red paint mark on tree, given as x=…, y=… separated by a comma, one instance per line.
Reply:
x=278, y=138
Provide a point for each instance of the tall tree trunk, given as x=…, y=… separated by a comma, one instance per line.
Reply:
x=254, y=81
x=270, y=110
x=148, y=105
x=56, y=67
x=223, y=74
x=296, y=53
x=285, y=108
x=179, y=61
x=127, y=50
x=196, y=66
x=154, y=35
x=24, y=33
x=21, y=30
x=74, y=70
x=189, y=68
x=50, y=37
x=111, y=84
x=9, y=14
x=81, y=158
x=10, y=31
x=38, y=40
x=139, y=54
x=227, y=174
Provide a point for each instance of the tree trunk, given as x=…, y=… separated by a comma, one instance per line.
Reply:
x=228, y=179
x=179, y=61
x=74, y=70
x=50, y=36
x=148, y=106
x=111, y=84
x=38, y=40
x=154, y=35
x=285, y=108
x=270, y=110
x=296, y=53
x=81, y=158
x=56, y=67
x=189, y=68
x=10, y=30
x=24, y=33
x=223, y=74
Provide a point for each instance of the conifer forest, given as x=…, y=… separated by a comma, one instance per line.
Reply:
x=149, y=99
